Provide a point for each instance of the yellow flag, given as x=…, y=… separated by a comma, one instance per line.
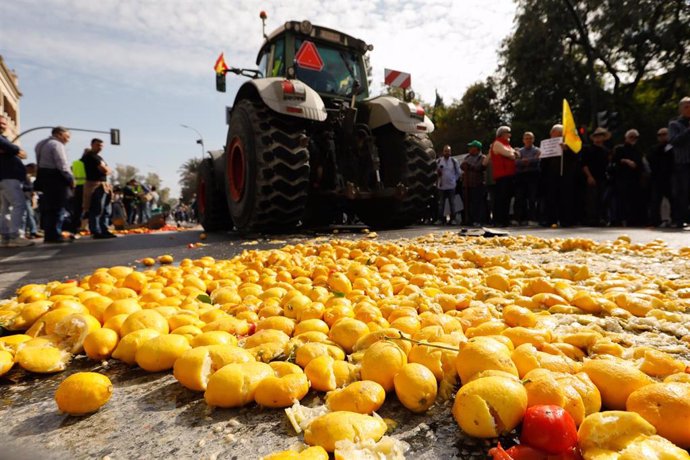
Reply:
x=570, y=136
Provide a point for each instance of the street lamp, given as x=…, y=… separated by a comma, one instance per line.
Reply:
x=199, y=141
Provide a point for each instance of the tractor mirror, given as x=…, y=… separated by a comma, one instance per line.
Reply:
x=220, y=82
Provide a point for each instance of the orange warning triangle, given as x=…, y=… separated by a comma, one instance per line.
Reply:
x=308, y=57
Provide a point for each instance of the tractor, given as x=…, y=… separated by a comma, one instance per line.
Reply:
x=306, y=145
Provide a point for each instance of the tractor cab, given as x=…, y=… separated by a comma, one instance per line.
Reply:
x=331, y=63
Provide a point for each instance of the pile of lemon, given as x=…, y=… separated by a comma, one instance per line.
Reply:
x=423, y=321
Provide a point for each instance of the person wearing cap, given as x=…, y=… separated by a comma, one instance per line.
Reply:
x=679, y=138
x=628, y=167
x=474, y=185
x=595, y=163
x=448, y=171
x=660, y=160
x=55, y=180
x=503, y=158
x=527, y=181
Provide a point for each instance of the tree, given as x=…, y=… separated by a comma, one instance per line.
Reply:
x=598, y=54
x=188, y=179
x=475, y=116
x=125, y=173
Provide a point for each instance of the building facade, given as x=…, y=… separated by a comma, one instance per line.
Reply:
x=9, y=99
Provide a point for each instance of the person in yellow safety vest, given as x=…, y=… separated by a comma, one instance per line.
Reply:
x=75, y=208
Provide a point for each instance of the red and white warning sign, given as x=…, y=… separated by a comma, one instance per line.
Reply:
x=397, y=79
x=308, y=57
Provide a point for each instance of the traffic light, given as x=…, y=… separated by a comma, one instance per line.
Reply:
x=115, y=137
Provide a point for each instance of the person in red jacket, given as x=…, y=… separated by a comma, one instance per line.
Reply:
x=503, y=158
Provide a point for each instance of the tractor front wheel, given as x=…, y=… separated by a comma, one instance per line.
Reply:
x=267, y=169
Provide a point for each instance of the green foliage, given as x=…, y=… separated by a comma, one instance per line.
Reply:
x=475, y=116
x=188, y=179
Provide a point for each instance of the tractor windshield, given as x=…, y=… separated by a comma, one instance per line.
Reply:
x=341, y=69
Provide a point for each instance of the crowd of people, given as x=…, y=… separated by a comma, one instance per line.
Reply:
x=602, y=185
x=64, y=200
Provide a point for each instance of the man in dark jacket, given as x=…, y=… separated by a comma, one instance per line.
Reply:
x=661, y=166
x=679, y=138
x=12, y=202
x=627, y=164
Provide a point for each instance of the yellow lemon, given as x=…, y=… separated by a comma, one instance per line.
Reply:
x=346, y=332
x=194, y=368
x=165, y=259
x=480, y=354
x=281, y=391
x=667, y=407
x=135, y=281
x=213, y=338
x=328, y=429
x=282, y=368
x=144, y=319
x=160, y=353
x=615, y=379
x=121, y=306
x=100, y=344
x=416, y=387
x=612, y=430
x=490, y=406
x=234, y=385
x=42, y=359
x=311, y=325
x=127, y=348
x=363, y=397
x=310, y=453
x=6, y=362
x=83, y=393
x=380, y=363
x=73, y=329
x=440, y=361
x=148, y=261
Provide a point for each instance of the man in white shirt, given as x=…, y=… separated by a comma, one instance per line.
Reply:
x=448, y=171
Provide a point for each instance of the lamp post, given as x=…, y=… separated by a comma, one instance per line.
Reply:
x=199, y=141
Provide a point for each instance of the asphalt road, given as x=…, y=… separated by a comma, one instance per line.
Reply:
x=43, y=263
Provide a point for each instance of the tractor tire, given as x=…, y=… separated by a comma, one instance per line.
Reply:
x=267, y=169
x=407, y=159
x=211, y=206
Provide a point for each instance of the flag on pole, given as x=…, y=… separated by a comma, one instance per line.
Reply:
x=220, y=66
x=570, y=136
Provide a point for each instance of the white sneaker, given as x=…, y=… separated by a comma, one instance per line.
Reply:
x=19, y=243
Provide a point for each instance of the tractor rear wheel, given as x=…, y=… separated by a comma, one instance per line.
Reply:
x=210, y=200
x=267, y=169
x=406, y=159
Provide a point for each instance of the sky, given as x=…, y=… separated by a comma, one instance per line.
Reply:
x=146, y=66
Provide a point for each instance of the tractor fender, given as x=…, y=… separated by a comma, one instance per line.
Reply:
x=270, y=90
x=402, y=115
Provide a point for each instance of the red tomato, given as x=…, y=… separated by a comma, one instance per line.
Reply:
x=549, y=428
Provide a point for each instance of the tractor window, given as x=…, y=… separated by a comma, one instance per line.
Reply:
x=341, y=68
x=278, y=59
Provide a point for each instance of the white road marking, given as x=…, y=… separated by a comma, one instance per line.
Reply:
x=7, y=279
x=30, y=256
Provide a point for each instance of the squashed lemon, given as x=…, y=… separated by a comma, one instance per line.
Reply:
x=363, y=397
x=332, y=427
x=159, y=353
